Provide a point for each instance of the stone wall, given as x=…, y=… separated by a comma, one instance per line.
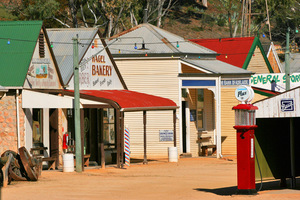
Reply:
x=8, y=123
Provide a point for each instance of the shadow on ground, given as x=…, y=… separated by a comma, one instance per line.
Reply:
x=270, y=185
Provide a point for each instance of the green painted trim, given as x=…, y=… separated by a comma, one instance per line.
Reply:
x=256, y=42
x=250, y=54
x=263, y=93
x=264, y=55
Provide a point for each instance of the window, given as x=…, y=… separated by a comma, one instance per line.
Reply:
x=200, y=109
x=37, y=127
x=109, y=133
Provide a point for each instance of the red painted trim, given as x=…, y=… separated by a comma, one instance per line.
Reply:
x=245, y=107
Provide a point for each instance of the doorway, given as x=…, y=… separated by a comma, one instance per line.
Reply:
x=183, y=107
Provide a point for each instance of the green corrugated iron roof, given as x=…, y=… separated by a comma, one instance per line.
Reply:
x=17, y=43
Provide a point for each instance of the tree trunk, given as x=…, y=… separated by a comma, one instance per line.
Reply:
x=73, y=11
x=159, y=12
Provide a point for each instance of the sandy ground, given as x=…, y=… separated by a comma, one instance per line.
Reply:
x=190, y=178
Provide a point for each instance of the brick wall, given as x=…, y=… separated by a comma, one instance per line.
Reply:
x=8, y=123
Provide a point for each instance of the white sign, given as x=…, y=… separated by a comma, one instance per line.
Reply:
x=165, y=135
x=244, y=93
x=99, y=72
x=226, y=82
x=275, y=81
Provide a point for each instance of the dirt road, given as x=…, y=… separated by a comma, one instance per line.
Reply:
x=190, y=178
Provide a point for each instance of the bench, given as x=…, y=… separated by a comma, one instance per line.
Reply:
x=204, y=149
x=38, y=152
x=86, y=160
x=51, y=162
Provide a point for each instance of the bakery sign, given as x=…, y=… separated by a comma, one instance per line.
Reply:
x=97, y=71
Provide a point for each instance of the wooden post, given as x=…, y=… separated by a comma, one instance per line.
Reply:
x=118, y=142
x=102, y=152
x=145, y=139
x=122, y=137
x=174, y=126
x=82, y=138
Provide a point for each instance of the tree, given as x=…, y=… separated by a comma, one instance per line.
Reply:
x=283, y=14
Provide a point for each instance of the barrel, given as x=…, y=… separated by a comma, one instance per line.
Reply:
x=68, y=162
x=173, y=154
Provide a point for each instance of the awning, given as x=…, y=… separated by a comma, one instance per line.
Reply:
x=128, y=100
x=35, y=99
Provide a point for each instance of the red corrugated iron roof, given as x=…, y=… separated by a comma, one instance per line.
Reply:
x=265, y=92
x=233, y=51
x=130, y=100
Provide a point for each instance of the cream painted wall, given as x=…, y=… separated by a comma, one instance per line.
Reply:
x=156, y=77
x=257, y=63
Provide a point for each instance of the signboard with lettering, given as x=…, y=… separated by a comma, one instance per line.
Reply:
x=42, y=73
x=287, y=105
x=97, y=71
x=244, y=93
x=228, y=82
x=274, y=82
x=165, y=135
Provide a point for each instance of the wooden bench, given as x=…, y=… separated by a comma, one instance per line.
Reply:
x=204, y=149
x=51, y=162
x=86, y=160
x=38, y=152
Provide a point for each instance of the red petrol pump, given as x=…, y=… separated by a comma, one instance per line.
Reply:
x=245, y=125
x=65, y=142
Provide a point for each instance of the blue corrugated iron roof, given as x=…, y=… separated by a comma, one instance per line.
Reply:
x=63, y=47
x=17, y=41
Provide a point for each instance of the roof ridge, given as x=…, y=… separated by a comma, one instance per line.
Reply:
x=21, y=22
x=71, y=29
x=162, y=38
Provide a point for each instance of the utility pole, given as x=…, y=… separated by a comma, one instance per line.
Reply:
x=78, y=152
x=292, y=132
x=287, y=60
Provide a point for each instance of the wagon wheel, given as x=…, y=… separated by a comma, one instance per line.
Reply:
x=7, y=152
x=16, y=171
x=30, y=168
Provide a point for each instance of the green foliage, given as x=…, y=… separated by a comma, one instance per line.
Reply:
x=41, y=9
x=222, y=20
x=283, y=14
x=198, y=28
x=5, y=15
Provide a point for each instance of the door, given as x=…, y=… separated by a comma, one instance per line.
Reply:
x=53, y=128
x=183, y=107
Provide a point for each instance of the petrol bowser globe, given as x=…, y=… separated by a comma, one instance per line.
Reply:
x=245, y=124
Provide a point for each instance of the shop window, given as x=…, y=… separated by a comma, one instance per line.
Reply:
x=109, y=133
x=37, y=127
x=200, y=109
x=41, y=45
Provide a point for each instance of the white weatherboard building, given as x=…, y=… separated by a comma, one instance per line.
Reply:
x=157, y=62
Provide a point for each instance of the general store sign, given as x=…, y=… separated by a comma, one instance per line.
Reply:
x=274, y=82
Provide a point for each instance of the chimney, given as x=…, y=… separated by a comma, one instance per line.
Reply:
x=145, y=16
